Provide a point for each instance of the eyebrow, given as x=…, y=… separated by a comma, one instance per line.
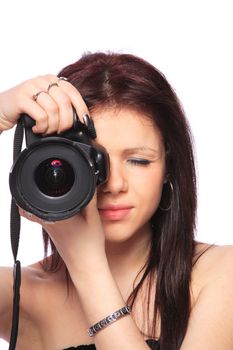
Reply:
x=134, y=149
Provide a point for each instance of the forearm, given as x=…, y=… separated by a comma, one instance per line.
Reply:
x=100, y=297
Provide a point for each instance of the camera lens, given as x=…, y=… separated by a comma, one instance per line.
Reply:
x=54, y=177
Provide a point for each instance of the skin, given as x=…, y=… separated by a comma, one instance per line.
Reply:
x=104, y=249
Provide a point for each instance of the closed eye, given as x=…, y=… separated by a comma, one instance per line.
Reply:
x=139, y=161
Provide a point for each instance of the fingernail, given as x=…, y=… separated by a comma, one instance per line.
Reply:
x=88, y=121
x=75, y=119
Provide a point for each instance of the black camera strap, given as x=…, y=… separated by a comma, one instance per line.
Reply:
x=15, y=234
x=15, y=225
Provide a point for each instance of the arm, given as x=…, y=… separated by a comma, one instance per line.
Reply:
x=100, y=296
x=82, y=248
x=84, y=251
x=211, y=321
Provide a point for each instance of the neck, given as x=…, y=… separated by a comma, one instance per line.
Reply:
x=126, y=259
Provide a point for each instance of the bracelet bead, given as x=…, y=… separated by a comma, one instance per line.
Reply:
x=124, y=311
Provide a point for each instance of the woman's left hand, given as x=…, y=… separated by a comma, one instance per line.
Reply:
x=79, y=240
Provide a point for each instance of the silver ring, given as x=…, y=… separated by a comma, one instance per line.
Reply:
x=62, y=78
x=51, y=85
x=35, y=96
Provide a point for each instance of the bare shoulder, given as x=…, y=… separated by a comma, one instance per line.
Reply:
x=212, y=265
x=212, y=262
x=6, y=300
x=211, y=319
x=6, y=282
x=32, y=292
x=6, y=296
x=37, y=286
x=213, y=253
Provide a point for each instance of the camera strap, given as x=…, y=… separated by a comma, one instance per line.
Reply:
x=15, y=234
x=15, y=226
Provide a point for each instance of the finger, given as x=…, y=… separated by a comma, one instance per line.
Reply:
x=56, y=115
x=66, y=97
x=29, y=216
x=37, y=113
x=26, y=214
x=90, y=212
x=76, y=98
x=47, y=103
x=29, y=94
x=50, y=118
x=64, y=104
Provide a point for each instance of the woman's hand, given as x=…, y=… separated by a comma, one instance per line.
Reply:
x=46, y=99
x=79, y=240
x=50, y=100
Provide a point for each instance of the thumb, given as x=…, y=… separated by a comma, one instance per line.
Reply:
x=90, y=212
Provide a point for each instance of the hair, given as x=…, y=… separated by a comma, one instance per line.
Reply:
x=124, y=80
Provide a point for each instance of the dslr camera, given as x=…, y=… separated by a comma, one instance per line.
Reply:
x=56, y=176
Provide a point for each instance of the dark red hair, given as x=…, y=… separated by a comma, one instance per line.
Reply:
x=123, y=80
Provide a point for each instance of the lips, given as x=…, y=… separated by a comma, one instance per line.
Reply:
x=115, y=211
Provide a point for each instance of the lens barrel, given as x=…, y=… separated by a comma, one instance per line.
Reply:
x=54, y=178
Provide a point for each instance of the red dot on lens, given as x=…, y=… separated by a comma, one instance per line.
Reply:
x=56, y=163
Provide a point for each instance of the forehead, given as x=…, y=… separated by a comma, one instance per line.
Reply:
x=125, y=126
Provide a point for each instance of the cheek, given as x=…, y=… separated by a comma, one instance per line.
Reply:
x=149, y=187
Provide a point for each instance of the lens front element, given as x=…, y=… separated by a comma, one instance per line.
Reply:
x=54, y=177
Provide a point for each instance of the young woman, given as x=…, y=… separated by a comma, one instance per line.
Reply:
x=132, y=248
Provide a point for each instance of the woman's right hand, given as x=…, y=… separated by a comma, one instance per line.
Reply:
x=46, y=99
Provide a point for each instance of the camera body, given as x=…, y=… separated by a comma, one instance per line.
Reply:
x=56, y=176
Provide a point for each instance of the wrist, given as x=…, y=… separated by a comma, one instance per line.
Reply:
x=87, y=267
x=113, y=317
x=101, y=284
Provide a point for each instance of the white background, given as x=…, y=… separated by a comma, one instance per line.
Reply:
x=189, y=41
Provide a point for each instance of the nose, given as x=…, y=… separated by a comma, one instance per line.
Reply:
x=117, y=181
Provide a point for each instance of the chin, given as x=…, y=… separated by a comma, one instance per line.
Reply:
x=117, y=236
x=117, y=239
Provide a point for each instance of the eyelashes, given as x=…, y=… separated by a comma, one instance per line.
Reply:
x=139, y=161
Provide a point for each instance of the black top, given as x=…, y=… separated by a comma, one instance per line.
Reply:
x=153, y=344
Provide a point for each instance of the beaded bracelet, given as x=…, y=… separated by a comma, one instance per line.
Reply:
x=124, y=311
